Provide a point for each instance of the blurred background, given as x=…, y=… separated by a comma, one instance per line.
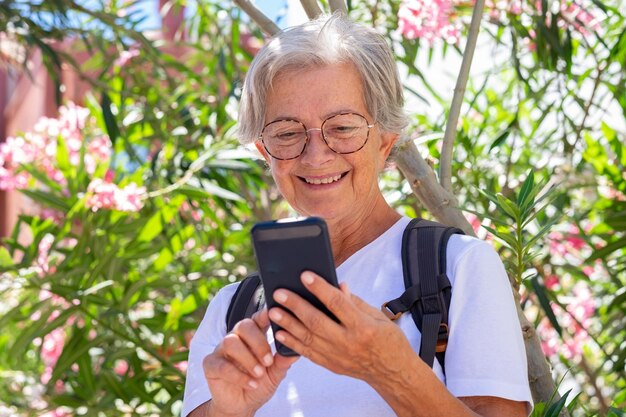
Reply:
x=126, y=200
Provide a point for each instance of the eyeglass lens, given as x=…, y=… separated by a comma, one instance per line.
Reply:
x=343, y=133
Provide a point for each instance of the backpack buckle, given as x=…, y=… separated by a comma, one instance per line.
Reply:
x=390, y=314
x=442, y=338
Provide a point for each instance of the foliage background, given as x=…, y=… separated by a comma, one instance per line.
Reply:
x=100, y=300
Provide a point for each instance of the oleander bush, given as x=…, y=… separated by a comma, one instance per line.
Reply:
x=139, y=200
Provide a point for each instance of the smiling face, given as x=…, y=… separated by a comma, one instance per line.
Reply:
x=321, y=182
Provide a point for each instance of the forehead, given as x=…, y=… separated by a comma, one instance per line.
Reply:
x=313, y=94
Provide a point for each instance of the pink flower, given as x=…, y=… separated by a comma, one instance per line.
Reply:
x=126, y=56
x=120, y=367
x=551, y=282
x=583, y=306
x=429, y=20
x=550, y=340
x=10, y=180
x=181, y=366
x=579, y=17
x=39, y=147
x=48, y=213
x=131, y=198
x=106, y=195
x=474, y=221
x=42, y=262
x=102, y=195
x=52, y=347
x=57, y=412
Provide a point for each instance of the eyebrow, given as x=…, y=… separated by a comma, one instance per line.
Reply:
x=324, y=117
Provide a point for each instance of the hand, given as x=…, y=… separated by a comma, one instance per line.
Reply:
x=241, y=373
x=365, y=344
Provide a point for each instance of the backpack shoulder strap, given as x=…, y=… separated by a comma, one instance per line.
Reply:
x=427, y=288
x=247, y=300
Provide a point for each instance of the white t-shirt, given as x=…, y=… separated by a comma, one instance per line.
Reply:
x=485, y=354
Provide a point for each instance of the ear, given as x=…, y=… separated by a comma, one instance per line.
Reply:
x=262, y=151
x=387, y=140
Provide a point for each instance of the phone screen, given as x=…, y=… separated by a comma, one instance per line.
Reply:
x=283, y=250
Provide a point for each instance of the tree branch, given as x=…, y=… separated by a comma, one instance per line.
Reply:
x=311, y=8
x=437, y=200
x=265, y=23
x=445, y=164
x=338, y=5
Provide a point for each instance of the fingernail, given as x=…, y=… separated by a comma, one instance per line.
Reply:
x=307, y=278
x=280, y=337
x=258, y=370
x=268, y=360
x=280, y=296
x=253, y=384
x=275, y=315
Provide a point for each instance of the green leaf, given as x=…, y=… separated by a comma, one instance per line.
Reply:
x=109, y=119
x=40, y=328
x=616, y=412
x=113, y=384
x=500, y=139
x=542, y=294
x=506, y=237
x=555, y=409
x=193, y=192
x=87, y=386
x=5, y=257
x=508, y=206
x=526, y=188
x=63, y=156
x=77, y=346
x=152, y=228
x=218, y=191
x=67, y=400
x=47, y=199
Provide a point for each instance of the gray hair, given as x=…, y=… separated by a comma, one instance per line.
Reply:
x=326, y=40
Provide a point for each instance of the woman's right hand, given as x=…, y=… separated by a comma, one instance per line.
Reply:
x=241, y=372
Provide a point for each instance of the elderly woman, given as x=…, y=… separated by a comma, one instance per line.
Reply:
x=307, y=81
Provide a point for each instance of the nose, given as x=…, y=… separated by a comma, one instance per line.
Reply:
x=316, y=152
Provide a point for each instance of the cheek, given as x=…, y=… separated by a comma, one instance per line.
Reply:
x=281, y=173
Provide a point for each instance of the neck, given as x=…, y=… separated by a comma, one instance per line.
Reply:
x=347, y=236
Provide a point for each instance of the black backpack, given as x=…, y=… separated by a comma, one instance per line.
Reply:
x=427, y=295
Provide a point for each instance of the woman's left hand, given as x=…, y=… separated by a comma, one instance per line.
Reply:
x=365, y=344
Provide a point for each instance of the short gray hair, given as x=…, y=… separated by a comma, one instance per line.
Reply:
x=326, y=40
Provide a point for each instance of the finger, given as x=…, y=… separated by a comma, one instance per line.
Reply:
x=336, y=300
x=312, y=349
x=217, y=367
x=262, y=350
x=261, y=319
x=293, y=325
x=277, y=372
x=305, y=317
x=246, y=346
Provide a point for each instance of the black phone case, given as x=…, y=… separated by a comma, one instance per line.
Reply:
x=285, y=249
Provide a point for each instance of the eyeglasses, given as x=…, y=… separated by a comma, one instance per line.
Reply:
x=344, y=133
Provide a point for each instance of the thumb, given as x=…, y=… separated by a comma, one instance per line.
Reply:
x=279, y=368
x=262, y=319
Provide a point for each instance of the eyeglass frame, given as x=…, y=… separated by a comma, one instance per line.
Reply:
x=306, y=133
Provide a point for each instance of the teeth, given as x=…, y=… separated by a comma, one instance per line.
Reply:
x=318, y=181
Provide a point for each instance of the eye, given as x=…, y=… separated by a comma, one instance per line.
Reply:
x=341, y=130
x=287, y=135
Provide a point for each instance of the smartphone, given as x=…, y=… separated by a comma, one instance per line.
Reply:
x=286, y=248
